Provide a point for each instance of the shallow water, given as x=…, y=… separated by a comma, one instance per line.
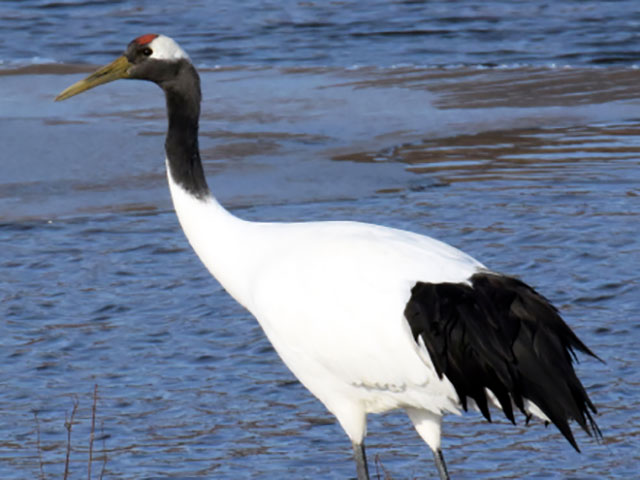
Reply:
x=533, y=170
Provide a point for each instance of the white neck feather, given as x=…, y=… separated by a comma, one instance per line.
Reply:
x=226, y=244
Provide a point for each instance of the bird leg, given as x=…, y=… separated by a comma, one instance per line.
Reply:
x=361, y=461
x=442, y=467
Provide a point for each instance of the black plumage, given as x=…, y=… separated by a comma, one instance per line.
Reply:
x=498, y=333
x=181, y=84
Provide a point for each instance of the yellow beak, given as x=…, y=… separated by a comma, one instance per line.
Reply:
x=116, y=70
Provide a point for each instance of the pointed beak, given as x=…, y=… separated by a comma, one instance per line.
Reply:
x=116, y=70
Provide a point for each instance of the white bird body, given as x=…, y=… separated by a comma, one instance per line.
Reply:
x=330, y=297
x=368, y=318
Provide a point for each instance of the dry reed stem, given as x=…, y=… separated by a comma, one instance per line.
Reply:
x=68, y=425
x=93, y=429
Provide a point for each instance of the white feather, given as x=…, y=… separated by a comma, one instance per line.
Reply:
x=165, y=48
x=330, y=297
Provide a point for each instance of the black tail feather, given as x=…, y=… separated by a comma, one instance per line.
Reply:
x=497, y=333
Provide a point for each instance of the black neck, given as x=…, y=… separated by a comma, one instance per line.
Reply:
x=183, y=109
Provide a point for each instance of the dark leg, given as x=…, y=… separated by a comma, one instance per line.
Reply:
x=361, y=461
x=442, y=467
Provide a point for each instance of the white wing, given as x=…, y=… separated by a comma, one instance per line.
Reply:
x=331, y=298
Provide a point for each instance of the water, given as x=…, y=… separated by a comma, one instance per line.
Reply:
x=508, y=129
x=373, y=32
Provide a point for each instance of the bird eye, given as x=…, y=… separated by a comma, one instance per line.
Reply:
x=147, y=52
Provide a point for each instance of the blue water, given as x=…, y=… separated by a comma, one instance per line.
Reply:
x=345, y=33
x=524, y=155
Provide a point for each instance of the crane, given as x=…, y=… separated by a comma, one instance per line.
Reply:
x=368, y=318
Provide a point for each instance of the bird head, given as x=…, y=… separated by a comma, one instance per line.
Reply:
x=149, y=57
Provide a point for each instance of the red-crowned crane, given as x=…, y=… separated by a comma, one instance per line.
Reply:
x=368, y=318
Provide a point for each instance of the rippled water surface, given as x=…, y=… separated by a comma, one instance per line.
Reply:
x=533, y=169
x=337, y=33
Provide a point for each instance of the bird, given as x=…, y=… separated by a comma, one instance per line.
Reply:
x=367, y=317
